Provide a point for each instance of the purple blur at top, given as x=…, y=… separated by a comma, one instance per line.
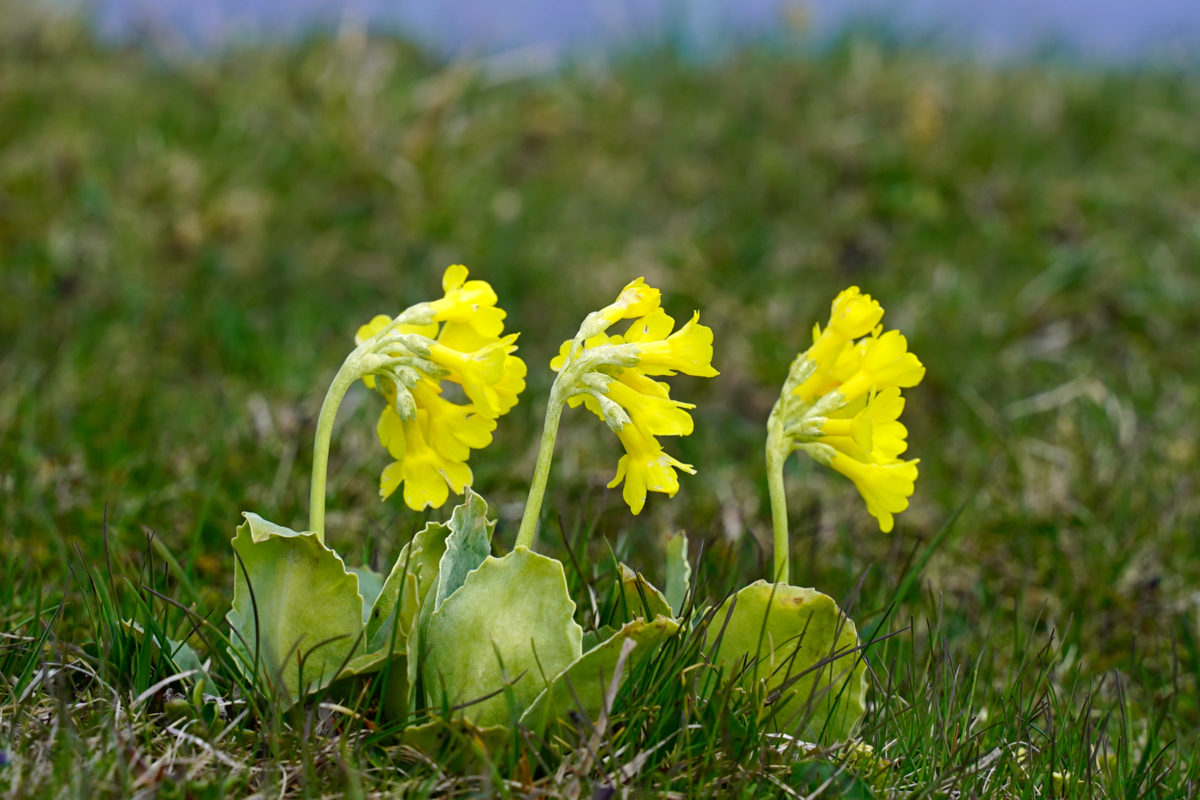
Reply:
x=1104, y=30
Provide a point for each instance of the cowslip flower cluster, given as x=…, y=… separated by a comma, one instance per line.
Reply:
x=458, y=339
x=841, y=404
x=614, y=377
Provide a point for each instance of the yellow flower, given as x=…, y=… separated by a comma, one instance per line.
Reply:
x=852, y=314
x=636, y=300
x=456, y=339
x=614, y=383
x=885, y=362
x=653, y=412
x=870, y=429
x=689, y=350
x=491, y=376
x=844, y=403
x=449, y=431
x=454, y=430
x=472, y=303
x=645, y=467
x=427, y=476
x=885, y=487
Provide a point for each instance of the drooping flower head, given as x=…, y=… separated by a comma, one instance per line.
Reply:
x=457, y=339
x=841, y=403
x=611, y=376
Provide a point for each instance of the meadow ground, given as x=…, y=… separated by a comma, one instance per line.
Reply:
x=186, y=250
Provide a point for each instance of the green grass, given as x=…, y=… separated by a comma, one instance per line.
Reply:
x=186, y=249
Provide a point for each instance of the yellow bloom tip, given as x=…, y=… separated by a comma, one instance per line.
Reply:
x=854, y=314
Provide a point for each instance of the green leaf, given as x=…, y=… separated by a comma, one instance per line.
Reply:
x=370, y=584
x=637, y=598
x=679, y=572
x=469, y=543
x=363, y=664
x=428, y=547
x=411, y=578
x=293, y=600
x=581, y=687
x=505, y=632
x=445, y=739
x=795, y=650
x=595, y=637
x=419, y=560
x=400, y=593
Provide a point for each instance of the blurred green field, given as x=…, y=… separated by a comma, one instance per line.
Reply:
x=187, y=247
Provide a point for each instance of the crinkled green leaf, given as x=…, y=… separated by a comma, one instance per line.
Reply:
x=305, y=606
x=443, y=738
x=411, y=578
x=637, y=598
x=428, y=547
x=370, y=584
x=679, y=572
x=400, y=593
x=469, y=543
x=581, y=687
x=795, y=649
x=595, y=637
x=363, y=664
x=505, y=632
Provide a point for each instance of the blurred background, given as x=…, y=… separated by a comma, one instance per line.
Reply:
x=200, y=203
x=1106, y=29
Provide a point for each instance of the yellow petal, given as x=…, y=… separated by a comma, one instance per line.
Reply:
x=469, y=303
x=454, y=430
x=689, y=350
x=655, y=415
x=653, y=327
x=426, y=475
x=885, y=362
x=645, y=468
x=424, y=487
x=641, y=383
x=636, y=300
x=454, y=277
x=390, y=480
x=390, y=429
x=853, y=314
x=888, y=434
x=377, y=323
x=885, y=487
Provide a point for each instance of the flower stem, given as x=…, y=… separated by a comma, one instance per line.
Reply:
x=351, y=370
x=777, y=453
x=541, y=473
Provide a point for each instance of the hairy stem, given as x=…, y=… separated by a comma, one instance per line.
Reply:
x=777, y=453
x=541, y=473
x=351, y=370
